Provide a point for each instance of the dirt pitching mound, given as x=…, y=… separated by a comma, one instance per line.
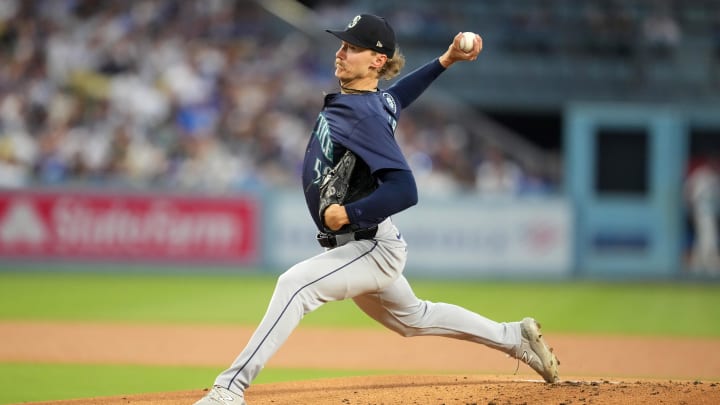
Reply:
x=637, y=370
x=465, y=390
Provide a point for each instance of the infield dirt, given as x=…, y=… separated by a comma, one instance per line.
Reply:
x=594, y=369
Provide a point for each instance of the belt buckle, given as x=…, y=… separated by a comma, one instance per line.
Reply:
x=326, y=240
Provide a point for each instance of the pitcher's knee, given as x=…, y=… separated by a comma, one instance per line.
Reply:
x=300, y=289
x=291, y=280
x=411, y=323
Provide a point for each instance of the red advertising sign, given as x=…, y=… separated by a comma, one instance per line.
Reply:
x=128, y=227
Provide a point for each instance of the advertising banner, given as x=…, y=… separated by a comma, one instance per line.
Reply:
x=491, y=238
x=469, y=237
x=118, y=227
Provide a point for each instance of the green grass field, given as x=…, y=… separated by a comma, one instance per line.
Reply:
x=658, y=309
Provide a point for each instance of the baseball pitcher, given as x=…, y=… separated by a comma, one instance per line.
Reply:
x=355, y=178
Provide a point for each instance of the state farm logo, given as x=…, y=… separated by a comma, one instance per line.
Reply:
x=21, y=224
x=116, y=226
x=150, y=225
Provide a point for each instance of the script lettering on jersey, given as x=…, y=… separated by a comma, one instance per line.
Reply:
x=322, y=133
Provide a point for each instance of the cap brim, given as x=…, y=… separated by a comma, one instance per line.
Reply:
x=347, y=37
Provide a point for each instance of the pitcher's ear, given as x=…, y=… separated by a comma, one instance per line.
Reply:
x=379, y=60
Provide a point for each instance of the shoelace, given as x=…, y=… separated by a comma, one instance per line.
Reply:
x=517, y=366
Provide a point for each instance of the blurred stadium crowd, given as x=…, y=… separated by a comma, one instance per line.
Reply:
x=201, y=95
x=173, y=94
x=208, y=96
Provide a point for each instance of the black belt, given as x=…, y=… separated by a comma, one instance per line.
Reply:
x=330, y=240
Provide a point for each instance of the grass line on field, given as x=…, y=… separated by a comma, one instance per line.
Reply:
x=19, y=382
x=660, y=308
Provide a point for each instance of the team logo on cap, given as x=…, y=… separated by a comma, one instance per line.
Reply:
x=354, y=21
x=379, y=44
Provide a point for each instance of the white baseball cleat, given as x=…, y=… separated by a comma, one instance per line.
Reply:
x=220, y=395
x=535, y=353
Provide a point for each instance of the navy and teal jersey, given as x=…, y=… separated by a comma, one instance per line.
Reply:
x=364, y=123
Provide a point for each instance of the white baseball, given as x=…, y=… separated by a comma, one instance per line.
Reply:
x=467, y=41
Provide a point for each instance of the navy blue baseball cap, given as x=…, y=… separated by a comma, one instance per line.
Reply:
x=369, y=31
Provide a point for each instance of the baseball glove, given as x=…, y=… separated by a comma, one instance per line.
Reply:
x=348, y=181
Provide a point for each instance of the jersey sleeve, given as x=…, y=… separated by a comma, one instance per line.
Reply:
x=411, y=86
x=397, y=192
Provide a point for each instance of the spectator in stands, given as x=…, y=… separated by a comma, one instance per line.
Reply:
x=51, y=167
x=498, y=175
x=609, y=29
x=702, y=188
x=530, y=30
x=661, y=32
x=12, y=172
x=117, y=156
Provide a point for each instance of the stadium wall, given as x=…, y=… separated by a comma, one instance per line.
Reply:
x=468, y=237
